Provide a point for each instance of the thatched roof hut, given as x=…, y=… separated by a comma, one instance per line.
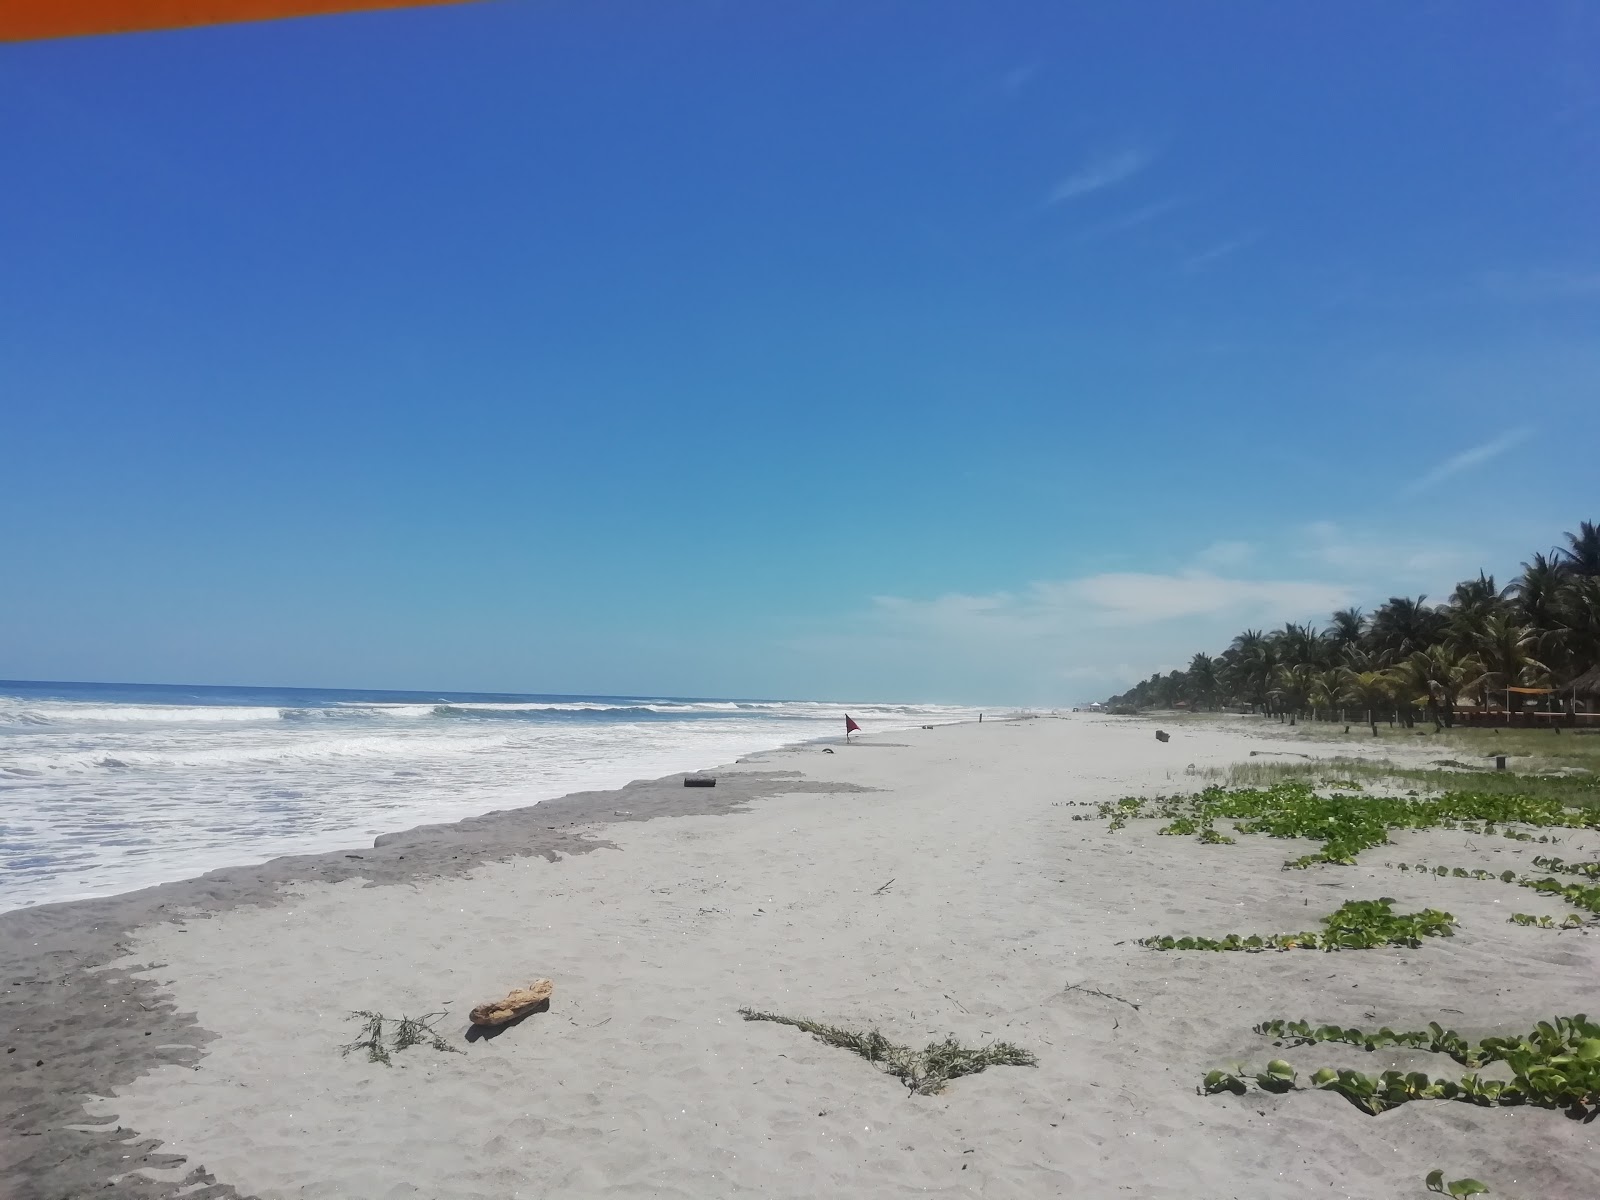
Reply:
x=1585, y=686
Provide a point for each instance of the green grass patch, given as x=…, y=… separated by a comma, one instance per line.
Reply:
x=923, y=1071
x=1571, y=748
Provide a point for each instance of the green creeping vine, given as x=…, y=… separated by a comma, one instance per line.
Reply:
x=1184, y=826
x=1575, y=894
x=1557, y=1065
x=1590, y=870
x=1345, y=824
x=1455, y=872
x=1355, y=925
x=1572, y=921
x=1579, y=895
x=1455, y=1187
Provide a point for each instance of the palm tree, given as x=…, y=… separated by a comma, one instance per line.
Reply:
x=1301, y=644
x=1412, y=686
x=1369, y=690
x=1536, y=588
x=1294, y=685
x=1582, y=555
x=1471, y=605
x=1544, y=627
x=1205, y=687
x=1505, y=651
x=1325, y=692
x=1256, y=664
x=1403, y=625
x=1348, y=627
x=1577, y=608
x=1169, y=689
x=1448, y=672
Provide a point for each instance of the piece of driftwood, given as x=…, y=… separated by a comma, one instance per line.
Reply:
x=519, y=1003
x=699, y=781
x=1162, y=735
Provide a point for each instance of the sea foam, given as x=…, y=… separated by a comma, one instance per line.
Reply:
x=108, y=788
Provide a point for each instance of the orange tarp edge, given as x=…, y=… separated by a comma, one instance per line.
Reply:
x=26, y=20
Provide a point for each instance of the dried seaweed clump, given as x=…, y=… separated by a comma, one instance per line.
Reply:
x=924, y=1071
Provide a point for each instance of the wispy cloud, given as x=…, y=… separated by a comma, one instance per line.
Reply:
x=1016, y=79
x=1060, y=607
x=1138, y=599
x=1099, y=173
x=1214, y=255
x=1132, y=220
x=1329, y=545
x=1533, y=286
x=1467, y=459
x=1226, y=554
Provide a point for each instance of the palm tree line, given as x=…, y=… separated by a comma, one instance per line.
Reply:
x=1409, y=658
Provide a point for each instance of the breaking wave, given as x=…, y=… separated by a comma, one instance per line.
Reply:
x=105, y=788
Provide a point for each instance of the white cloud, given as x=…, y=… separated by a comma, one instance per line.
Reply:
x=1062, y=607
x=1467, y=459
x=1100, y=173
x=1226, y=554
x=1070, y=639
x=1329, y=545
x=1137, y=599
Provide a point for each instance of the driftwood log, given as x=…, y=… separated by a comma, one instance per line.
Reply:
x=519, y=1003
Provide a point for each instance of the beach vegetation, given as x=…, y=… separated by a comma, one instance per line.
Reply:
x=1582, y=896
x=1346, y=823
x=924, y=1071
x=1354, y=925
x=1460, y=661
x=1339, y=772
x=1555, y=1065
x=1436, y=1182
x=406, y=1032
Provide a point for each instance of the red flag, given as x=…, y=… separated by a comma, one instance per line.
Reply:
x=850, y=726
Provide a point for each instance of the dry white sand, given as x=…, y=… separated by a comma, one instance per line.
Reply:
x=642, y=1080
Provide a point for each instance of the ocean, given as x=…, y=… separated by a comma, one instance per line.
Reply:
x=109, y=787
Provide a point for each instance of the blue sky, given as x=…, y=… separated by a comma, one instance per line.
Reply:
x=954, y=351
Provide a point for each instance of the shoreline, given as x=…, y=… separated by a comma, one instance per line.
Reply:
x=184, y=1028
x=68, y=943
x=173, y=858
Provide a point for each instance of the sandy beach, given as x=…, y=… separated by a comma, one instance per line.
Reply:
x=185, y=1040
